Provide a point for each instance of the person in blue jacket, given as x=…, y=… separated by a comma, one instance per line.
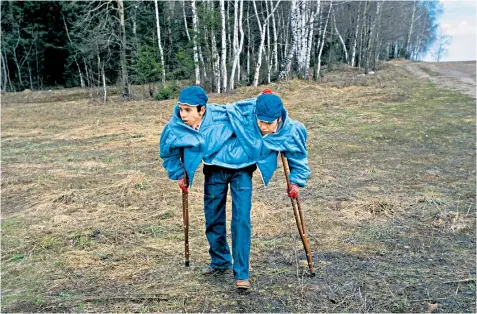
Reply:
x=232, y=141
x=266, y=118
x=199, y=132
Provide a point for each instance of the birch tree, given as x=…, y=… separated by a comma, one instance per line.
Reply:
x=322, y=43
x=371, y=39
x=215, y=59
x=377, y=44
x=109, y=40
x=302, y=15
x=124, y=68
x=237, y=46
x=411, y=25
x=355, y=37
x=223, y=68
x=284, y=74
x=275, y=44
x=341, y=38
x=309, y=45
x=161, y=52
x=262, y=29
x=74, y=56
x=185, y=19
x=195, y=47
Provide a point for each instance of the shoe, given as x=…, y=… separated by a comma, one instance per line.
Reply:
x=243, y=284
x=210, y=271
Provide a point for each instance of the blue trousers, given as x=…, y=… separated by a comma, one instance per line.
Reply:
x=217, y=181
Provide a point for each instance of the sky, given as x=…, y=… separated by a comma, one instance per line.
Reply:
x=458, y=21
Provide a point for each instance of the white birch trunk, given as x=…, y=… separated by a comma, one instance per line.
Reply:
x=318, y=43
x=89, y=78
x=268, y=54
x=4, y=75
x=134, y=28
x=377, y=43
x=408, y=42
x=105, y=92
x=15, y=58
x=317, y=74
x=194, y=40
x=310, y=40
x=275, y=44
x=223, y=69
x=201, y=58
x=419, y=41
x=239, y=73
x=74, y=56
x=371, y=40
x=161, y=52
x=241, y=35
x=301, y=14
x=286, y=35
x=215, y=62
x=227, y=29
x=418, y=46
x=99, y=67
x=235, y=43
x=185, y=20
x=341, y=38
x=124, y=71
x=291, y=50
x=362, y=34
x=355, y=38
x=261, y=49
x=237, y=46
x=248, y=48
x=31, y=80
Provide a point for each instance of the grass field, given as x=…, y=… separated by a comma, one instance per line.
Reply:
x=90, y=222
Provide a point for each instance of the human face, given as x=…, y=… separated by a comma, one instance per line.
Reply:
x=190, y=115
x=268, y=127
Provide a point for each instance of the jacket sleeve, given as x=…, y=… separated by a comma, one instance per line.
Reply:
x=170, y=152
x=298, y=159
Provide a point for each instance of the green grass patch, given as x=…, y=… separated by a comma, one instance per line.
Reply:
x=152, y=230
x=10, y=225
x=111, y=159
x=166, y=215
x=16, y=258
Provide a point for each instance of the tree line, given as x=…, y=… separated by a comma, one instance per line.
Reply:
x=216, y=44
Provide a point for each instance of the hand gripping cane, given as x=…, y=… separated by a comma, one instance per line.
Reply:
x=185, y=216
x=298, y=217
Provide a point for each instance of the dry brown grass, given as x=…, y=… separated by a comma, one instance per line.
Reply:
x=91, y=223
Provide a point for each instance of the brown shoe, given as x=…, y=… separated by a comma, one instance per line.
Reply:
x=242, y=284
x=210, y=271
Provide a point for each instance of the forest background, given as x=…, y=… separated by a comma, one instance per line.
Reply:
x=219, y=45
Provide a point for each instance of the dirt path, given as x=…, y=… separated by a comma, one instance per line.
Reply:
x=459, y=75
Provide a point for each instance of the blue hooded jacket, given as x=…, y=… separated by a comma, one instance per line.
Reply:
x=229, y=137
x=290, y=139
x=215, y=143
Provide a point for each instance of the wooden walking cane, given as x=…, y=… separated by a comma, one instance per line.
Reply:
x=300, y=223
x=185, y=216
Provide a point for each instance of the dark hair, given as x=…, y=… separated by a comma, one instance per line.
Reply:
x=199, y=107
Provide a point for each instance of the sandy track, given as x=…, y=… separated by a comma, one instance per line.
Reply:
x=459, y=75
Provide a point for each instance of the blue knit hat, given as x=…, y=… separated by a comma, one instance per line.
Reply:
x=193, y=96
x=269, y=107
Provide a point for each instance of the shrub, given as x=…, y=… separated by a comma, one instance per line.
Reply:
x=167, y=92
